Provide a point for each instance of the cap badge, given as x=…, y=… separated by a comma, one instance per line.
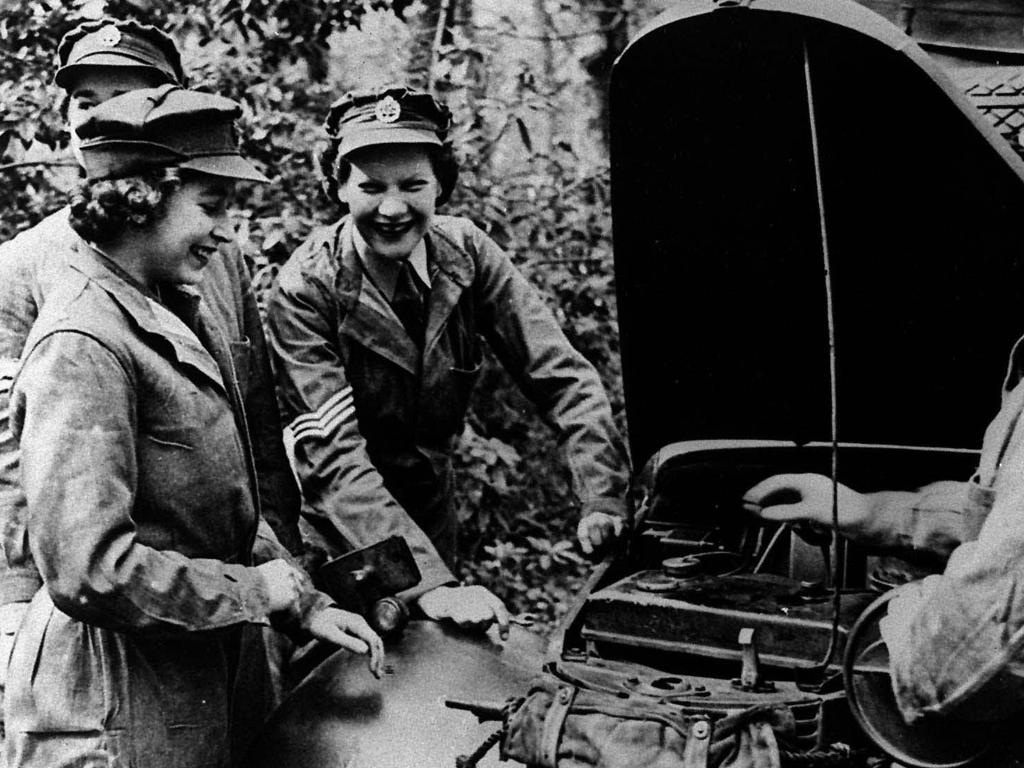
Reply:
x=387, y=110
x=109, y=36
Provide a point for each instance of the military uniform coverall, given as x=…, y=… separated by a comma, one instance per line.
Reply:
x=30, y=267
x=375, y=422
x=136, y=466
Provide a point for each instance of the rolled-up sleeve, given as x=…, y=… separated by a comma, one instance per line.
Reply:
x=72, y=409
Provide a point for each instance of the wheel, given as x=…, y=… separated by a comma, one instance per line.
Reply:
x=932, y=742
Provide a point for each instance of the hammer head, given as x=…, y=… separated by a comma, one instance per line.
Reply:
x=360, y=578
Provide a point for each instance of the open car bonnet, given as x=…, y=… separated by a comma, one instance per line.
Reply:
x=751, y=140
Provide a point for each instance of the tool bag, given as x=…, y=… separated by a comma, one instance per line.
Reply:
x=562, y=723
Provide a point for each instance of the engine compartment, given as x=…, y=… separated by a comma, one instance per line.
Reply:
x=715, y=610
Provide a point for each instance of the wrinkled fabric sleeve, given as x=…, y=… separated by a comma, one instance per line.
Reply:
x=267, y=547
x=19, y=578
x=951, y=634
x=340, y=484
x=928, y=521
x=279, y=493
x=565, y=387
x=72, y=409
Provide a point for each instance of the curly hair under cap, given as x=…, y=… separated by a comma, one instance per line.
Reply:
x=102, y=211
x=335, y=168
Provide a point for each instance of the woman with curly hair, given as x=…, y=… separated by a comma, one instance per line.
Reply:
x=144, y=648
x=376, y=325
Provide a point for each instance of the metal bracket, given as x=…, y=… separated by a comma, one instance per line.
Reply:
x=750, y=673
x=698, y=742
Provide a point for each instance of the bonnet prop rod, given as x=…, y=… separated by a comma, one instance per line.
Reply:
x=837, y=550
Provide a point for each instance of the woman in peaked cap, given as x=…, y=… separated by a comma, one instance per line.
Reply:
x=376, y=326
x=144, y=646
x=96, y=61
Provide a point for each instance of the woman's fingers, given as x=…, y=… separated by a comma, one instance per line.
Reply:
x=350, y=631
x=472, y=606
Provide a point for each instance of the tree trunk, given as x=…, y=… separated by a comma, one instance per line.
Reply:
x=429, y=34
x=613, y=22
x=546, y=29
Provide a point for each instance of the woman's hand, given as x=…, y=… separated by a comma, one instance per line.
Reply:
x=808, y=497
x=349, y=630
x=597, y=531
x=284, y=584
x=474, y=606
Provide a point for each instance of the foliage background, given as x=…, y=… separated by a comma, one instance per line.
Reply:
x=526, y=83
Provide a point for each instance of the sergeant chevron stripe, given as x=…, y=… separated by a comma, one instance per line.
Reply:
x=321, y=422
x=8, y=367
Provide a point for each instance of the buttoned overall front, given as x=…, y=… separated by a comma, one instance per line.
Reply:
x=375, y=421
x=143, y=524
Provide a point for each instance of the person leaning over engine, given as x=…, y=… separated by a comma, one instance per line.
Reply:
x=948, y=634
x=98, y=60
x=376, y=324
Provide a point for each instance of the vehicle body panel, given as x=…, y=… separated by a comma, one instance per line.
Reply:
x=341, y=716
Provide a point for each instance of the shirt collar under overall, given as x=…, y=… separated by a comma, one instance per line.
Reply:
x=384, y=272
x=186, y=299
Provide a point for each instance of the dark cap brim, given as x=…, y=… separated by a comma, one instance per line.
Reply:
x=368, y=137
x=65, y=76
x=229, y=166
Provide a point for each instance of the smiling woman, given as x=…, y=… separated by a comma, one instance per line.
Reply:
x=146, y=645
x=162, y=226
x=377, y=322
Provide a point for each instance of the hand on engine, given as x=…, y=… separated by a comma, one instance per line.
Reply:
x=598, y=530
x=474, y=606
x=349, y=630
x=808, y=497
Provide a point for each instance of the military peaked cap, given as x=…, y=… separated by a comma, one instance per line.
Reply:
x=113, y=43
x=389, y=115
x=163, y=127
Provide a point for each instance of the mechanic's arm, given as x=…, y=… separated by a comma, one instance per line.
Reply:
x=526, y=337
x=340, y=484
x=951, y=633
x=928, y=520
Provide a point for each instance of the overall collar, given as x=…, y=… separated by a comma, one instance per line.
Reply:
x=177, y=319
x=368, y=317
x=384, y=272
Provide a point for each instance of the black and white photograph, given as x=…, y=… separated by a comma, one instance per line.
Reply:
x=541, y=383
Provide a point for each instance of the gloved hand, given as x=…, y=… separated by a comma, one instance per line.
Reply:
x=808, y=497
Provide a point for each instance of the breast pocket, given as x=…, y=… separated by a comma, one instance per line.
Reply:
x=464, y=377
x=186, y=436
